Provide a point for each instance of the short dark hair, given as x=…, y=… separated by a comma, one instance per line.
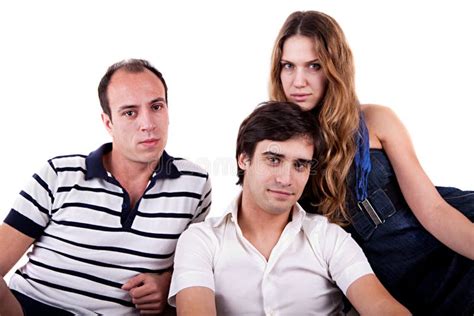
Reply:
x=277, y=121
x=129, y=65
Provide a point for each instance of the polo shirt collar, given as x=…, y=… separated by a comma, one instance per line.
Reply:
x=165, y=169
x=296, y=219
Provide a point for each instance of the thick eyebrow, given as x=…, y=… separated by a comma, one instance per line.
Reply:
x=273, y=154
x=304, y=161
x=159, y=99
x=126, y=107
x=133, y=106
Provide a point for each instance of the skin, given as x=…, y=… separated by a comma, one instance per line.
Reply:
x=303, y=79
x=274, y=180
x=386, y=132
x=13, y=244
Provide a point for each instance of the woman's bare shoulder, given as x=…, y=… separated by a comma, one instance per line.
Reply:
x=379, y=120
x=376, y=111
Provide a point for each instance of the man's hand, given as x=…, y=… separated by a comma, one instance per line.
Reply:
x=149, y=291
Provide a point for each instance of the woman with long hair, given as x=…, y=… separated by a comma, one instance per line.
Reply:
x=418, y=238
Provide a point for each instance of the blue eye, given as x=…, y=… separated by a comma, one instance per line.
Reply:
x=287, y=65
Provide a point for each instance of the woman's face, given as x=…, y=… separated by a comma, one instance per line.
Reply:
x=302, y=77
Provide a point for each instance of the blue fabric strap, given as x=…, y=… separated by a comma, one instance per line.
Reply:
x=362, y=159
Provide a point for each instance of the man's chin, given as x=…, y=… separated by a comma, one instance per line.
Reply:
x=281, y=207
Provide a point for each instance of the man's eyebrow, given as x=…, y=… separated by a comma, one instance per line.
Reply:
x=159, y=99
x=133, y=106
x=299, y=160
x=272, y=153
x=304, y=161
x=127, y=107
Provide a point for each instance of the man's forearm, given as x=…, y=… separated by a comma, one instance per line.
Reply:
x=196, y=301
x=8, y=303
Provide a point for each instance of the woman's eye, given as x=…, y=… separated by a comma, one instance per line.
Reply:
x=287, y=66
x=315, y=66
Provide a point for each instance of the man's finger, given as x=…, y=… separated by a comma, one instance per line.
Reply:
x=133, y=282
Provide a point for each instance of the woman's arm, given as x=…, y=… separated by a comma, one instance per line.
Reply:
x=444, y=222
x=369, y=297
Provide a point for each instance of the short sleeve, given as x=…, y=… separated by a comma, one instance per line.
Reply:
x=31, y=211
x=193, y=261
x=346, y=260
x=204, y=203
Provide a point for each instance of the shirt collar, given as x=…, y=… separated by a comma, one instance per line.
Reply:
x=297, y=217
x=165, y=169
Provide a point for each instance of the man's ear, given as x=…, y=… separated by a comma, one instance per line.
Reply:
x=243, y=161
x=107, y=122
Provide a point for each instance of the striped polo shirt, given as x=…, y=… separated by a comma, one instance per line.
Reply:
x=88, y=239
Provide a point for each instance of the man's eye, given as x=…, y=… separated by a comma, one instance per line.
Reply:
x=300, y=166
x=157, y=107
x=128, y=113
x=274, y=160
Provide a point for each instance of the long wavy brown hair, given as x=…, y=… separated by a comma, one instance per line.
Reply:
x=337, y=112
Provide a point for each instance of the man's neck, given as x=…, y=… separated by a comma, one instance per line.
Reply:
x=260, y=228
x=132, y=176
x=121, y=167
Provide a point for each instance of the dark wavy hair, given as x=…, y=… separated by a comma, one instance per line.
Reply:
x=277, y=121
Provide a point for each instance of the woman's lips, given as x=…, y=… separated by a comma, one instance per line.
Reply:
x=300, y=97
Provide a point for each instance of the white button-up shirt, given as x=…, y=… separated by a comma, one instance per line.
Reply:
x=312, y=262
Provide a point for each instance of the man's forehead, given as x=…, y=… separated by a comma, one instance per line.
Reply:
x=296, y=148
x=126, y=83
x=125, y=74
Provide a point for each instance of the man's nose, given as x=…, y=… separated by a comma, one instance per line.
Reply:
x=147, y=122
x=284, y=176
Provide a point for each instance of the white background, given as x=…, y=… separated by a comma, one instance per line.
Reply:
x=415, y=56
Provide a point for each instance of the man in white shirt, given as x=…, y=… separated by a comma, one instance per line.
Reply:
x=266, y=256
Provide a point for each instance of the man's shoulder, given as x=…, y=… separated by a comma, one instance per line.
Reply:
x=319, y=224
x=68, y=161
x=213, y=225
x=204, y=230
x=187, y=167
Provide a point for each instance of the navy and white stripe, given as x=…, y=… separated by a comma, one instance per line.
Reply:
x=88, y=239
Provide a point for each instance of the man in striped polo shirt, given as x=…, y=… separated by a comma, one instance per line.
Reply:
x=104, y=226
